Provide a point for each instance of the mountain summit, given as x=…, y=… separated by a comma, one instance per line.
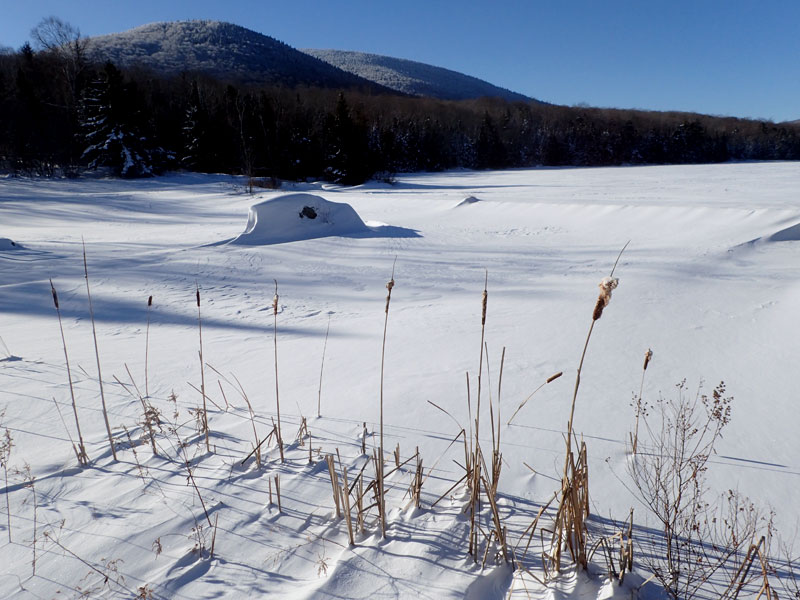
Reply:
x=221, y=50
x=234, y=53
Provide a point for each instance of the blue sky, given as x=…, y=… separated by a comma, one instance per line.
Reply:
x=721, y=57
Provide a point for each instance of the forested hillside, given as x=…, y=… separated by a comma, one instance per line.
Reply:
x=61, y=113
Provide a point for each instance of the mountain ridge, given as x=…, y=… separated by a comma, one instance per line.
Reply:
x=414, y=78
x=222, y=50
x=232, y=52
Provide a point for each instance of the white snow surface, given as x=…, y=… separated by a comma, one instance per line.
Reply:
x=693, y=286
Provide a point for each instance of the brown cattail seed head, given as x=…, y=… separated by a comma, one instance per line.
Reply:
x=554, y=377
x=389, y=287
x=150, y=301
x=55, y=296
x=275, y=304
x=606, y=285
x=647, y=356
x=198, y=297
x=483, y=306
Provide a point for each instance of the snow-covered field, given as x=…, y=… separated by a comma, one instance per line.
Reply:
x=710, y=282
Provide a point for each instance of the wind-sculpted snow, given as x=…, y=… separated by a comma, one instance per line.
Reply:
x=710, y=305
x=7, y=244
x=295, y=217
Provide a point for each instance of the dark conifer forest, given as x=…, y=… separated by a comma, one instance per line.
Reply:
x=61, y=114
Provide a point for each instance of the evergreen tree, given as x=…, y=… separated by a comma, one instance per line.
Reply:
x=110, y=127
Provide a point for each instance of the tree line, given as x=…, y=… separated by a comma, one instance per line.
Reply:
x=61, y=114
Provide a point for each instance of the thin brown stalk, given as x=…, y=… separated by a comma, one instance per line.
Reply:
x=484, y=302
x=321, y=366
x=214, y=535
x=334, y=484
x=346, y=502
x=148, y=413
x=256, y=442
x=202, y=370
x=188, y=465
x=602, y=300
x=639, y=406
x=275, y=343
x=83, y=458
x=71, y=441
x=524, y=402
x=381, y=497
x=97, y=355
x=147, y=348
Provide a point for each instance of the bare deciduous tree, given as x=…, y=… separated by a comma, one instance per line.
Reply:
x=65, y=42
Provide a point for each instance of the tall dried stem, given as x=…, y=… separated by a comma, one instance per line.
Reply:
x=381, y=497
x=147, y=348
x=322, y=364
x=639, y=404
x=607, y=285
x=275, y=340
x=97, y=355
x=202, y=369
x=80, y=451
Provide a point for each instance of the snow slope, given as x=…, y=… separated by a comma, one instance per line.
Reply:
x=711, y=303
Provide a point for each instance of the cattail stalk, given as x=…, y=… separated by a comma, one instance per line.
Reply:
x=277, y=393
x=202, y=370
x=524, y=402
x=607, y=285
x=147, y=347
x=381, y=498
x=97, y=355
x=484, y=302
x=639, y=407
x=322, y=364
x=83, y=458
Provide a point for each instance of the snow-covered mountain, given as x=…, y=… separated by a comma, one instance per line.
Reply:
x=413, y=78
x=232, y=52
x=222, y=50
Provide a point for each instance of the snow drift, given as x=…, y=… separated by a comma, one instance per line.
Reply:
x=7, y=244
x=295, y=217
x=468, y=200
x=790, y=234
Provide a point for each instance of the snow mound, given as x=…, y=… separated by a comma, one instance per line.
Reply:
x=468, y=200
x=295, y=217
x=790, y=234
x=7, y=244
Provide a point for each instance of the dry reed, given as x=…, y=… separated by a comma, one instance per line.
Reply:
x=80, y=451
x=321, y=366
x=275, y=343
x=202, y=371
x=381, y=497
x=639, y=405
x=97, y=355
x=147, y=347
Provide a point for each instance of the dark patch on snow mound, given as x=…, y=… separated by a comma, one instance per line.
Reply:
x=468, y=200
x=790, y=234
x=7, y=244
x=295, y=217
x=308, y=212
